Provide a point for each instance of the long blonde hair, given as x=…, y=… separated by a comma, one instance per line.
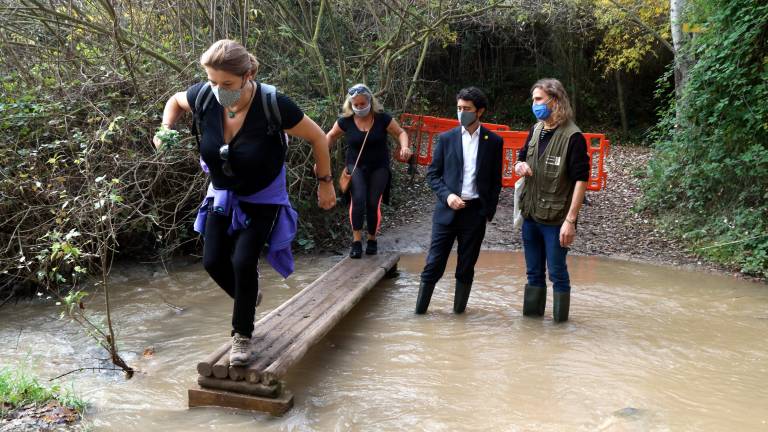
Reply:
x=562, y=112
x=376, y=106
x=229, y=56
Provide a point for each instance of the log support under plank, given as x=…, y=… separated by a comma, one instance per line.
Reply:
x=202, y=397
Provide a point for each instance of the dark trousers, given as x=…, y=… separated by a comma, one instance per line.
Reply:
x=468, y=227
x=368, y=185
x=232, y=260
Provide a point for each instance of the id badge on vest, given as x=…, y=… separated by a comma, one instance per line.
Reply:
x=552, y=165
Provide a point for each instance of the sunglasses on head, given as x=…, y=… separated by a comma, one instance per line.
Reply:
x=358, y=89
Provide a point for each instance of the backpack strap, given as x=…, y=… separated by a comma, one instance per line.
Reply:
x=272, y=112
x=202, y=101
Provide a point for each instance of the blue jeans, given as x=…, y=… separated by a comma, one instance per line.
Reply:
x=541, y=244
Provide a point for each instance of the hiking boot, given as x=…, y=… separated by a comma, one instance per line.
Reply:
x=425, y=294
x=356, y=251
x=461, y=296
x=561, y=306
x=534, y=300
x=371, y=247
x=240, y=354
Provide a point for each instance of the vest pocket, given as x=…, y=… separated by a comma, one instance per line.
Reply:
x=550, y=207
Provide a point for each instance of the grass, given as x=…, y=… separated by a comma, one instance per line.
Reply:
x=19, y=388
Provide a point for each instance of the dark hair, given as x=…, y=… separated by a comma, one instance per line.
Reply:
x=475, y=95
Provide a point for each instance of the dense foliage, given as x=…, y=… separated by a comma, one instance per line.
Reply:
x=709, y=179
x=84, y=83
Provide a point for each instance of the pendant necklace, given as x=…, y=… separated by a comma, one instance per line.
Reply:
x=232, y=114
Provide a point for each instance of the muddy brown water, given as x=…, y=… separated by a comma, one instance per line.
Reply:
x=648, y=348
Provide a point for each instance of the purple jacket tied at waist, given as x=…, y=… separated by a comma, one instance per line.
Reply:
x=283, y=231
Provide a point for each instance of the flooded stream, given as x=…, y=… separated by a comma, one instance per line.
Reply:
x=647, y=348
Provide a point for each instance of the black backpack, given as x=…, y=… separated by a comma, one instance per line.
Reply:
x=268, y=103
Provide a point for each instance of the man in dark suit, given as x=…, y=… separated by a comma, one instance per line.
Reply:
x=466, y=176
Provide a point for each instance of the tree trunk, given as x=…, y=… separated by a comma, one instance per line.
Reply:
x=682, y=62
x=622, y=105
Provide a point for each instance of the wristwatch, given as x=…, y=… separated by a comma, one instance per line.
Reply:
x=326, y=178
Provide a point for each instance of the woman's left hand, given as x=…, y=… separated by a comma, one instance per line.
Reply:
x=567, y=234
x=405, y=153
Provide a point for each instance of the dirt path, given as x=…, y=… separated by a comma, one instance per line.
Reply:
x=607, y=224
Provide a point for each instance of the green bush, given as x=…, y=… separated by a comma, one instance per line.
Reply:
x=709, y=179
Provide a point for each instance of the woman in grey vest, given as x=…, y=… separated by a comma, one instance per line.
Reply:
x=556, y=165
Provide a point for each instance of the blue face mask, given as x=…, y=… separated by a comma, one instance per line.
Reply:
x=541, y=111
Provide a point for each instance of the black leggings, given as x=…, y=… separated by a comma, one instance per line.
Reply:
x=232, y=261
x=367, y=190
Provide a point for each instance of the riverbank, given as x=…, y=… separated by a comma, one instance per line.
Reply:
x=27, y=405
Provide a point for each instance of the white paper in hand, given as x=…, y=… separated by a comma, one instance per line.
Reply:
x=517, y=214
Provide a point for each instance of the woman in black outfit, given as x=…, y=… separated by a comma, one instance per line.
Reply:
x=363, y=115
x=247, y=204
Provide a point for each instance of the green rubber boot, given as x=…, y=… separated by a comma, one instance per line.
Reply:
x=561, y=306
x=461, y=297
x=425, y=295
x=534, y=300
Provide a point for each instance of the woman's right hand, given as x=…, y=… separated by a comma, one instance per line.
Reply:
x=326, y=195
x=157, y=142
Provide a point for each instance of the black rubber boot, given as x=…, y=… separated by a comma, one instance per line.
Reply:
x=356, y=251
x=425, y=295
x=561, y=306
x=534, y=300
x=461, y=297
x=371, y=247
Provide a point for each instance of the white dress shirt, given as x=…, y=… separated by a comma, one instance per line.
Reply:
x=469, y=145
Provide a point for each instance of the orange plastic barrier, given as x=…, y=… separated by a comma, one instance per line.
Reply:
x=424, y=130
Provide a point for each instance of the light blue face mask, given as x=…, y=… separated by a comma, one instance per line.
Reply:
x=466, y=118
x=542, y=111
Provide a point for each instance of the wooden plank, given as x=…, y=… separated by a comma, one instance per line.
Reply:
x=284, y=335
x=238, y=373
x=205, y=367
x=199, y=397
x=221, y=367
x=319, y=328
x=241, y=387
x=325, y=290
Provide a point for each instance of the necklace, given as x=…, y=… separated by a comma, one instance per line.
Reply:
x=232, y=114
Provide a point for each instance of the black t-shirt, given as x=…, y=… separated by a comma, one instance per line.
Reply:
x=376, y=152
x=254, y=157
x=577, y=161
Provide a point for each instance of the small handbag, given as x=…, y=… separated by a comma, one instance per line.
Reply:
x=346, y=177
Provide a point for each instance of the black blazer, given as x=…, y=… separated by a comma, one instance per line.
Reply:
x=446, y=172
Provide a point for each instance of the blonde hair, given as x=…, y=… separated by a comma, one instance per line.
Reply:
x=376, y=106
x=229, y=56
x=562, y=112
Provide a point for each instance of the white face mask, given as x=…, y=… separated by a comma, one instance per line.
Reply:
x=363, y=111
